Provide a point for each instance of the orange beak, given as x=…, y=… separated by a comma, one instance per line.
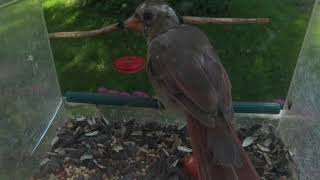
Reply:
x=134, y=24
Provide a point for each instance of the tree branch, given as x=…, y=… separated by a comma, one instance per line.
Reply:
x=81, y=34
x=187, y=20
x=209, y=20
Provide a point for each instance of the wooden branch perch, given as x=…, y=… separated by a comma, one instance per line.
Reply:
x=81, y=34
x=209, y=20
x=187, y=20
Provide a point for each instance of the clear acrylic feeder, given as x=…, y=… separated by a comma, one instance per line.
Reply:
x=31, y=102
x=300, y=121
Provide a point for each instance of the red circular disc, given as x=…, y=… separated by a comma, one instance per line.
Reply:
x=129, y=64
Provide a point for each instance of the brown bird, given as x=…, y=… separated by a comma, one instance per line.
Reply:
x=187, y=75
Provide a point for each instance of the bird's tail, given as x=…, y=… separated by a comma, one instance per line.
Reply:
x=219, y=153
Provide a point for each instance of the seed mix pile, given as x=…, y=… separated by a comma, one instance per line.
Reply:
x=94, y=149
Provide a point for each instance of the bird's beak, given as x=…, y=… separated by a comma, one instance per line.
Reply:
x=133, y=23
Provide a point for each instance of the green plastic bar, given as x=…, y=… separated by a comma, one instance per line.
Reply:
x=135, y=101
x=101, y=99
x=257, y=107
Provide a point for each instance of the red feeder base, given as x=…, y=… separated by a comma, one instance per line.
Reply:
x=129, y=64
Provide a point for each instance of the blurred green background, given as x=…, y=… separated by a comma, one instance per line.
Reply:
x=260, y=59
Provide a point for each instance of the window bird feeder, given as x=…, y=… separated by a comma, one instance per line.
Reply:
x=31, y=102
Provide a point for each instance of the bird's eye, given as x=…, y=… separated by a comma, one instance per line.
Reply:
x=147, y=16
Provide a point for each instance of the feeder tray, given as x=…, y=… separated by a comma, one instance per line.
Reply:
x=129, y=64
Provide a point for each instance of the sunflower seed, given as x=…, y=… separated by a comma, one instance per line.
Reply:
x=262, y=148
x=267, y=158
x=165, y=152
x=100, y=145
x=114, y=140
x=89, y=121
x=86, y=157
x=291, y=153
x=105, y=120
x=54, y=140
x=174, y=164
x=93, y=120
x=248, y=141
x=60, y=151
x=184, y=149
x=267, y=142
x=44, y=162
x=99, y=165
x=94, y=133
x=141, y=149
x=70, y=125
x=80, y=119
x=77, y=131
x=117, y=148
x=136, y=133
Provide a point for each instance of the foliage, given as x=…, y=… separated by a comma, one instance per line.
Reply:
x=123, y=8
x=201, y=7
x=115, y=8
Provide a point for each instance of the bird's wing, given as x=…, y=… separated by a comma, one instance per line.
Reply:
x=192, y=76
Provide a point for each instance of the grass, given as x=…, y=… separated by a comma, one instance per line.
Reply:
x=260, y=59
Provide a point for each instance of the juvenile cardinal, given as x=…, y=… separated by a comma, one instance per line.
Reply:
x=187, y=75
